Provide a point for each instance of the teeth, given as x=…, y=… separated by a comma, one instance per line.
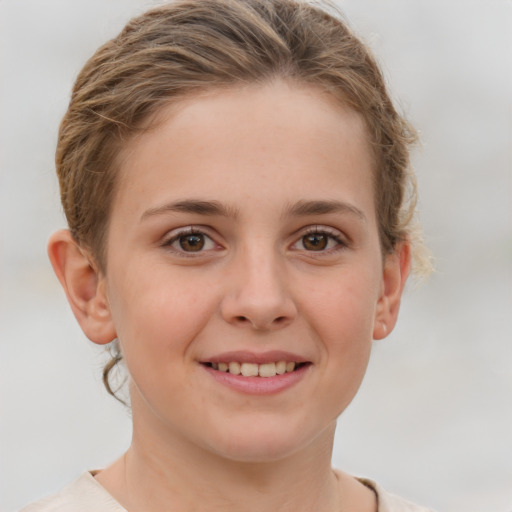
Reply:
x=249, y=370
x=255, y=370
x=290, y=367
x=281, y=367
x=267, y=370
x=234, y=368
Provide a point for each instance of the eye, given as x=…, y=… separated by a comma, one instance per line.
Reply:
x=190, y=240
x=319, y=239
x=315, y=241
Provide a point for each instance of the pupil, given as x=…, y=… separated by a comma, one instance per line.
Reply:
x=315, y=242
x=192, y=243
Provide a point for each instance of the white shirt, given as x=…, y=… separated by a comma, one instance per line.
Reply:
x=86, y=495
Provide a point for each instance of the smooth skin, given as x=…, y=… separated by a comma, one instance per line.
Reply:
x=244, y=220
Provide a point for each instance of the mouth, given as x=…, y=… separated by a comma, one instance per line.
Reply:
x=264, y=370
x=257, y=373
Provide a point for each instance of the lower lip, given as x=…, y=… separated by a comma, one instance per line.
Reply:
x=258, y=385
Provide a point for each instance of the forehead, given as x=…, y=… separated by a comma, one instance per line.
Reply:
x=273, y=137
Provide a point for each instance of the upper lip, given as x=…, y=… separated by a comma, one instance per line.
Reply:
x=244, y=356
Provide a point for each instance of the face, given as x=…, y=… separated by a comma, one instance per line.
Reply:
x=244, y=235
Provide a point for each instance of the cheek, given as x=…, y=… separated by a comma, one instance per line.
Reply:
x=344, y=308
x=342, y=316
x=160, y=316
x=344, y=324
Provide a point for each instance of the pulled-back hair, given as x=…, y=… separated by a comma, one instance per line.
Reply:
x=190, y=46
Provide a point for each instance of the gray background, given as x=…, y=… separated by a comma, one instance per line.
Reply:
x=433, y=420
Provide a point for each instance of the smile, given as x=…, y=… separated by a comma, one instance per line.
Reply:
x=265, y=370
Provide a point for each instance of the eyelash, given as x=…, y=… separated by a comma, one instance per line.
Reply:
x=332, y=235
x=187, y=232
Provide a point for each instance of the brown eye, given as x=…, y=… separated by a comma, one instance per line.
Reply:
x=192, y=243
x=315, y=241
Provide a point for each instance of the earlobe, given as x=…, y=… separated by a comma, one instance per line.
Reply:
x=396, y=270
x=84, y=286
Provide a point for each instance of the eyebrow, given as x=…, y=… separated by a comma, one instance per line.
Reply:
x=305, y=208
x=301, y=208
x=200, y=207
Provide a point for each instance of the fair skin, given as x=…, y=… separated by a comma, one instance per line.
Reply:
x=243, y=230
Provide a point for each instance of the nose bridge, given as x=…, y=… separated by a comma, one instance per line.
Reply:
x=258, y=294
x=260, y=271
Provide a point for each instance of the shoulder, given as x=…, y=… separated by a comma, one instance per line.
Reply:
x=388, y=502
x=83, y=495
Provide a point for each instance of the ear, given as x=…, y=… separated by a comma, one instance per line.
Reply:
x=395, y=272
x=85, y=287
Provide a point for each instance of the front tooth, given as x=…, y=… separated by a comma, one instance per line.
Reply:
x=281, y=367
x=234, y=368
x=290, y=367
x=249, y=369
x=223, y=367
x=267, y=370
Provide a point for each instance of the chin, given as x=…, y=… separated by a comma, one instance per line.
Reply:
x=259, y=452
x=269, y=443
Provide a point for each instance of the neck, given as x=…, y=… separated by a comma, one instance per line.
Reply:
x=188, y=478
x=165, y=469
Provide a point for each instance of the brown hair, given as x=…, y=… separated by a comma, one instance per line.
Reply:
x=191, y=46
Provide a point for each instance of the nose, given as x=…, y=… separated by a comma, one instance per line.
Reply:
x=258, y=294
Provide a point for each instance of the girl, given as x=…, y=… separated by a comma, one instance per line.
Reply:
x=240, y=205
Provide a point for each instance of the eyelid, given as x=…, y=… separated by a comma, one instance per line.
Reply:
x=342, y=241
x=174, y=235
x=333, y=233
x=319, y=228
